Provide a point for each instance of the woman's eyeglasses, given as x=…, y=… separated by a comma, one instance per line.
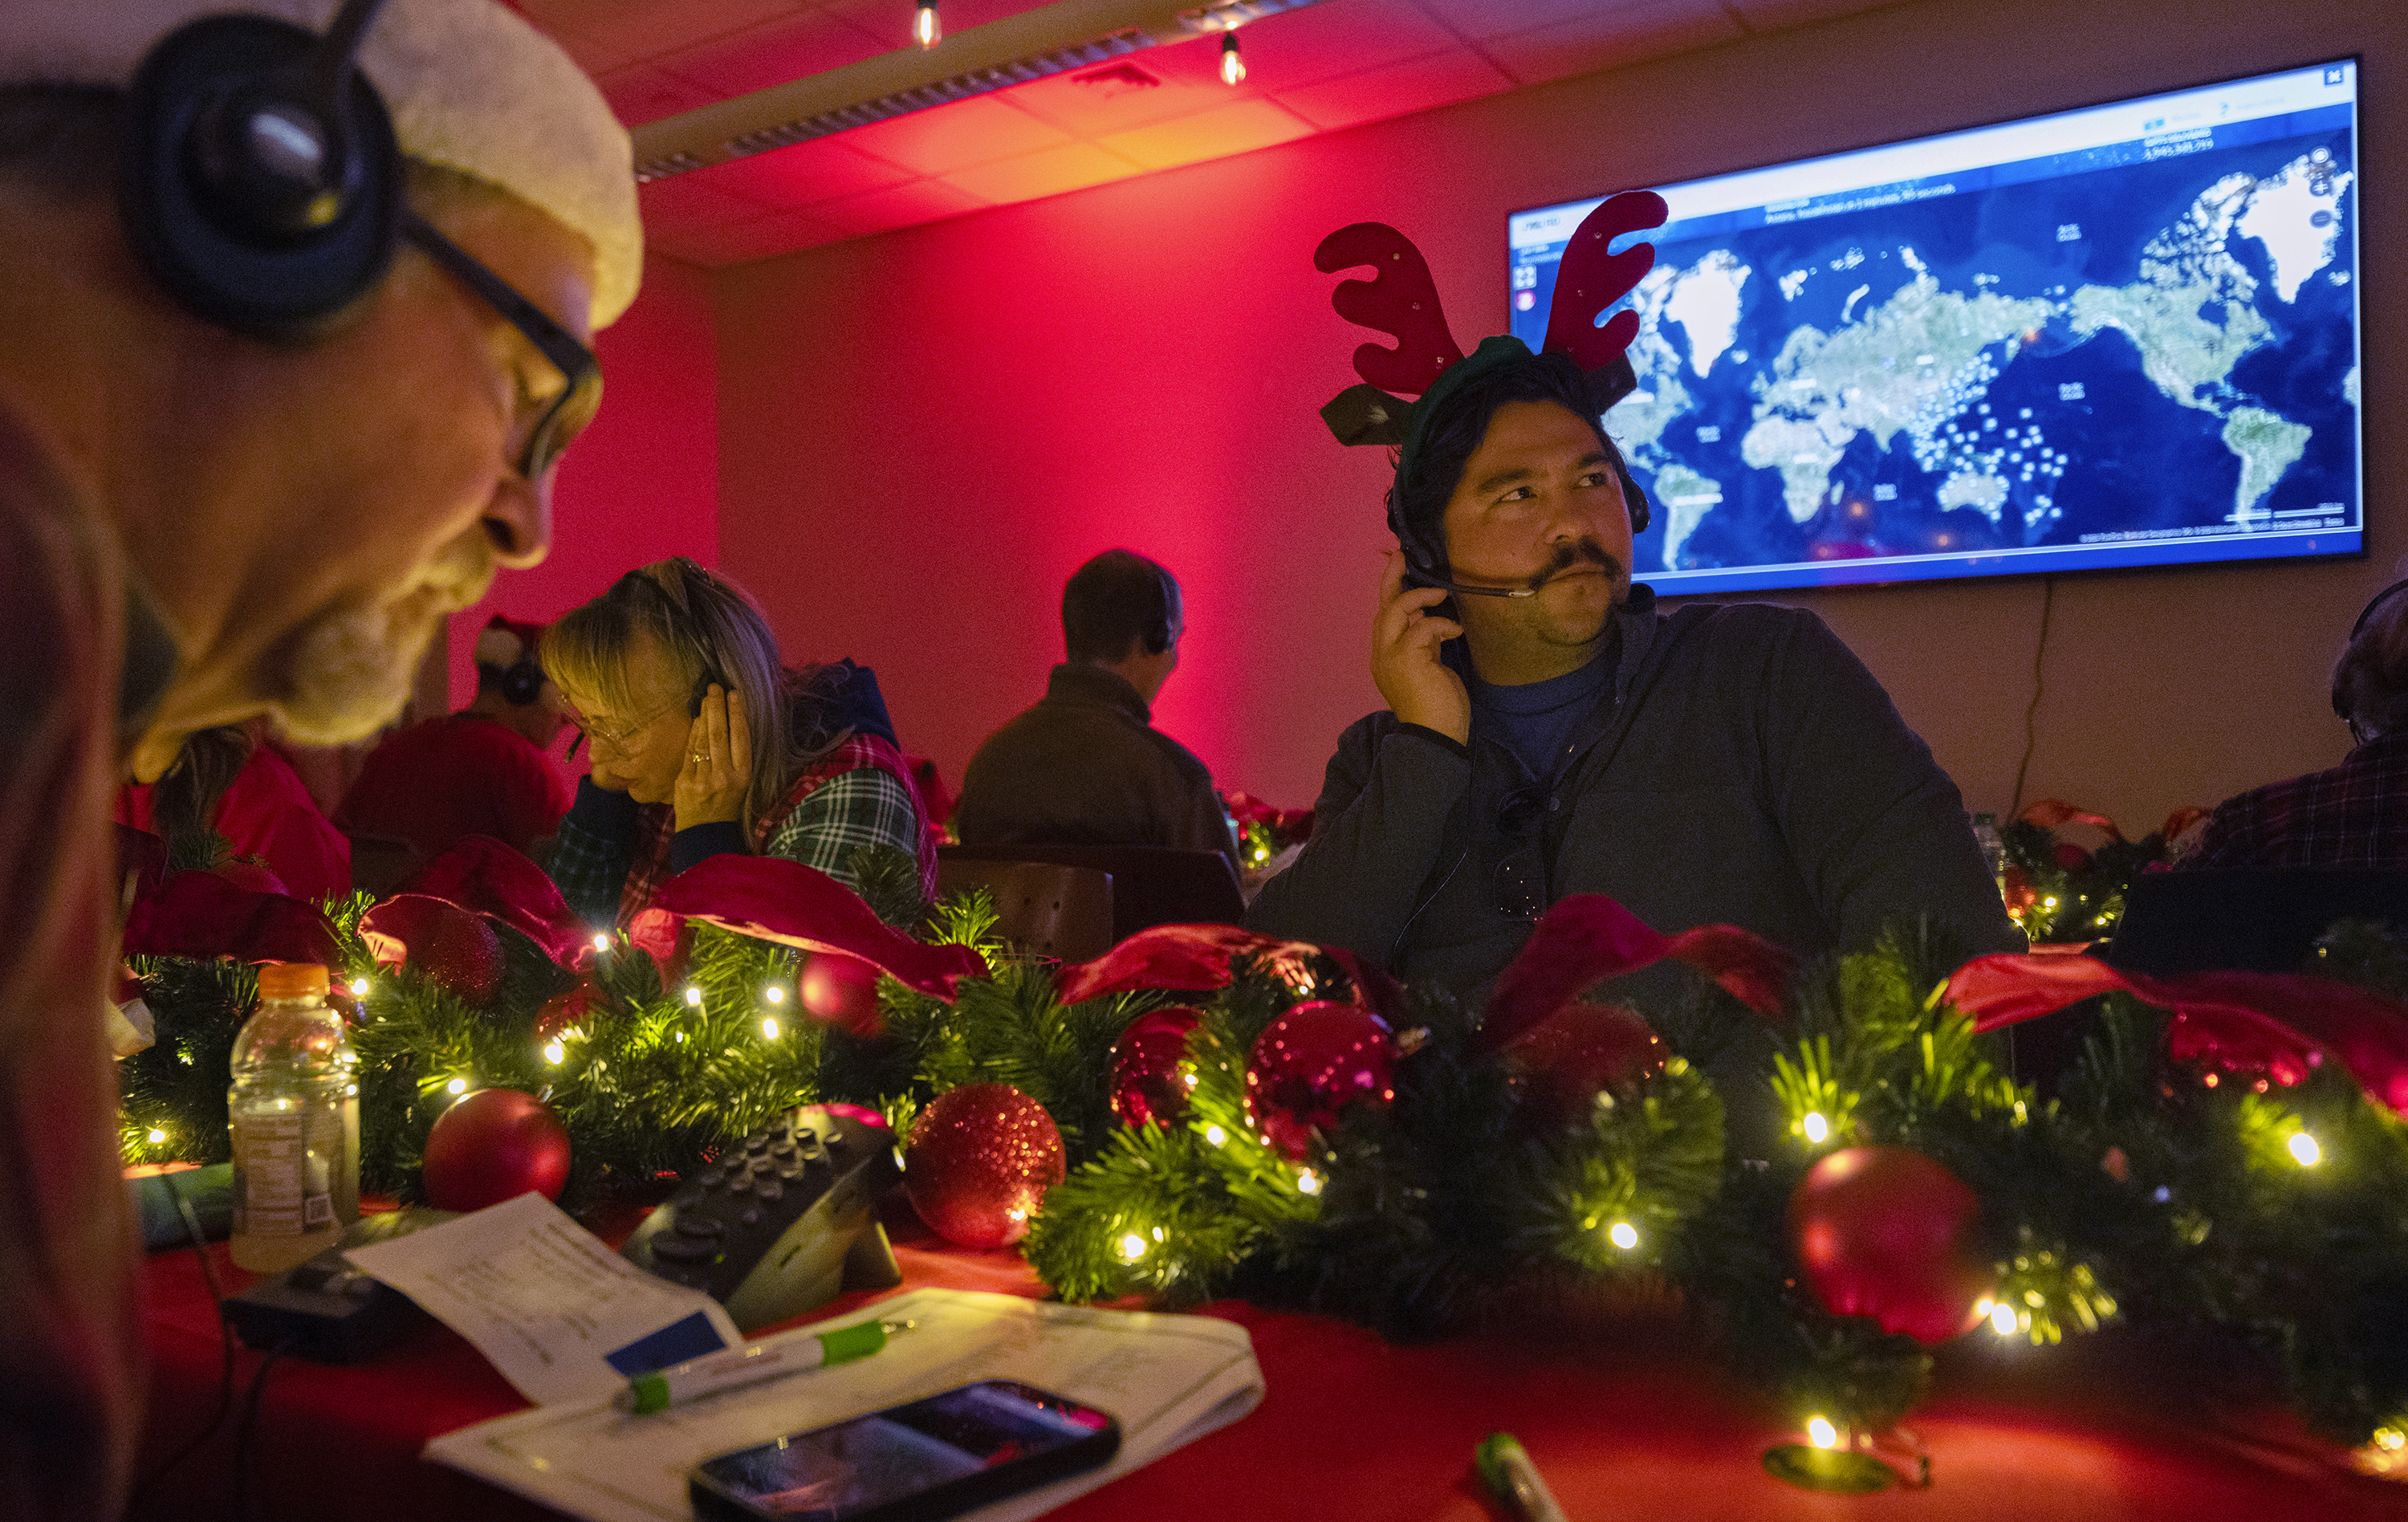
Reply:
x=617, y=741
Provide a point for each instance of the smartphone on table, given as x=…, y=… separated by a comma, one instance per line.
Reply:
x=921, y=1462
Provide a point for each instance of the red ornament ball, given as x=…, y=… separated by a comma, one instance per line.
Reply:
x=249, y=873
x=1561, y=1064
x=492, y=1145
x=1886, y=1233
x=1148, y=1080
x=454, y=948
x=978, y=1162
x=1308, y=1066
x=841, y=989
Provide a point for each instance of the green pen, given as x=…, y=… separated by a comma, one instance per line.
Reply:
x=732, y=1368
x=1506, y=1470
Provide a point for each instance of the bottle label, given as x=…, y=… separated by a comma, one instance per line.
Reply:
x=283, y=1172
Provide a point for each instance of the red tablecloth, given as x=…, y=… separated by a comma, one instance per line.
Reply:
x=1350, y=1428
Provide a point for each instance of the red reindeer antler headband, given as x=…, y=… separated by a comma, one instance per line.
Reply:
x=1400, y=299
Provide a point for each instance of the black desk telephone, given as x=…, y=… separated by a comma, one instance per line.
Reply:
x=782, y=1222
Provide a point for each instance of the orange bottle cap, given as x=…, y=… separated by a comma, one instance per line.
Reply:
x=290, y=980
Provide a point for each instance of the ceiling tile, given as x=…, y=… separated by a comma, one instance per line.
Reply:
x=1238, y=128
x=1772, y=15
x=902, y=206
x=823, y=169
x=738, y=243
x=1480, y=19
x=643, y=29
x=976, y=131
x=690, y=201
x=773, y=53
x=641, y=93
x=1328, y=40
x=1049, y=172
x=590, y=55
x=1624, y=34
x=1188, y=77
x=1399, y=88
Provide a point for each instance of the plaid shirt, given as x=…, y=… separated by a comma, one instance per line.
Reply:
x=2353, y=815
x=859, y=794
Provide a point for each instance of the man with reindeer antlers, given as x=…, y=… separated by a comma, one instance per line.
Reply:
x=1549, y=730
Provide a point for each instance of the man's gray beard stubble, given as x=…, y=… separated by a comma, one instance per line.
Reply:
x=351, y=670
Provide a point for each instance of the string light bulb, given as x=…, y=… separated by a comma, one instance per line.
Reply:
x=774, y=994
x=456, y=1087
x=602, y=944
x=1307, y=1181
x=1624, y=1235
x=2304, y=1150
x=1132, y=1247
x=359, y=988
x=1817, y=1129
x=156, y=1136
x=1233, y=63
x=555, y=1053
x=1821, y=1433
x=693, y=995
x=769, y=1029
x=926, y=29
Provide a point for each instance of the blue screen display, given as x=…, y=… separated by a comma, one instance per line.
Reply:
x=2116, y=336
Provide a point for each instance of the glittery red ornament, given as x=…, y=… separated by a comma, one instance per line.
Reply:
x=1308, y=1066
x=456, y=949
x=1562, y=1064
x=978, y=1162
x=2017, y=888
x=841, y=989
x=562, y=1012
x=492, y=1145
x=1886, y=1233
x=1148, y=1080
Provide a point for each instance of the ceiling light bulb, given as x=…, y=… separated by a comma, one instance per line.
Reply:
x=1233, y=63
x=925, y=30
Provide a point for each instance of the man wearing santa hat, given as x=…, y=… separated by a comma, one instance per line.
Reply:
x=484, y=770
x=294, y=319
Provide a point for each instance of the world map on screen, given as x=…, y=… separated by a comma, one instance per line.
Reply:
x=2143, y=351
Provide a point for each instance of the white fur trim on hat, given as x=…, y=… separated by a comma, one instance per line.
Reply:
x=499, y=647
x=471, y=86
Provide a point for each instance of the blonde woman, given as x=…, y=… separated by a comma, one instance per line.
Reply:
x=704, y=743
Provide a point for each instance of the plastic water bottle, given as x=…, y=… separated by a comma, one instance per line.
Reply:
x=1994, y=849
x=294, y=1109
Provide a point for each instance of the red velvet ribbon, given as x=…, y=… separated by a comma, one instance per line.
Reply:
x=2282, y=1025
x=202, y=915
x=771, y=898
x=1587, y=938
x=485, y=877
x=1184, y=957
x=391, y=925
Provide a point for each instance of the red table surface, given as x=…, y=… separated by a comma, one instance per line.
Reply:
x=1350, y=1427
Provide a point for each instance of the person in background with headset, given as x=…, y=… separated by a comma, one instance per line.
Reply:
x=1085, y=766
x=484, y=770
x=293, y=323
x=2354, y=815
x=1562, y=735
x=704, y=743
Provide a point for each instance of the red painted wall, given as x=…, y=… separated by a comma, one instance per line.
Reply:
x=643, y=481
x=923, y=433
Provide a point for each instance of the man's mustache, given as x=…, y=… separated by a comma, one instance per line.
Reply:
x=1586, y=550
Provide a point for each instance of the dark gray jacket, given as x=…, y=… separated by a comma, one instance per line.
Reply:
x=1747, y=770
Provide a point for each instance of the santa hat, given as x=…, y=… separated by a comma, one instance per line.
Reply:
x=507, y=641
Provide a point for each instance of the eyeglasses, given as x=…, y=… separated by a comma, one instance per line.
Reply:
x=615, y=741
x=1521, y=881
x=567, y=413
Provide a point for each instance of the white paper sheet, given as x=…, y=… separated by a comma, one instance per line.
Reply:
x=547, y=1300
x=1166, y=1379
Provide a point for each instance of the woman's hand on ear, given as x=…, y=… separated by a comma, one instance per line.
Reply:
x=718, y=769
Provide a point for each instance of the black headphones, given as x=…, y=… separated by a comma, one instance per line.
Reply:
x=522, y=682
x=1156, y=633
x=261, y=181
x=2341, y=704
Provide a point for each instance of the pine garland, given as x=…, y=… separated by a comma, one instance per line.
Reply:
x=2144, y=1192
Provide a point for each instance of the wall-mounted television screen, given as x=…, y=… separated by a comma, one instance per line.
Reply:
x=2124, y=336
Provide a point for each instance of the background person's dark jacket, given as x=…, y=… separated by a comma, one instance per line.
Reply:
x=1084, y=766
x=1746, y=770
